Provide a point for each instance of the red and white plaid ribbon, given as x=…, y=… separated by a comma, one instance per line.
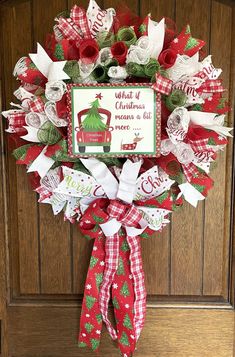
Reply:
x=162, y=85
x=190, y=171
x=78, y=15
x=111, y=265
x=129, y=216
x=76, y=27
x=211, y=86
x=69, y=29
x=202, y=150
x=203, y=153
x=139, y=286
x=199, y=145
x=16, y=121
x=36, y=105
x=43, y=193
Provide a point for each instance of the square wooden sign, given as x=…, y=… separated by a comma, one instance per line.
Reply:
x=115, y=120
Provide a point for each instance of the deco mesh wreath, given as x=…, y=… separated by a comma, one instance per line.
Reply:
x=121, y=169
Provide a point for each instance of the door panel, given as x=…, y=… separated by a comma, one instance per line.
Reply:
x=189, y=269
x=182, y=333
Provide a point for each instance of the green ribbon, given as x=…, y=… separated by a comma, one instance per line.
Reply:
x=71, y=68
x=177, y=98
x=100, y=74
x=20, y=152
x=162, y=72
x=62, y=153
x=135, y=70
x=105, y=39
x=111, y=63
x=48, y=134
x=127, y=35
x=151, y=67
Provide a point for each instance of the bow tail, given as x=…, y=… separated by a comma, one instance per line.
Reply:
x=139, y=285
x=111, y=265
x=91, y=318
x=123, y=300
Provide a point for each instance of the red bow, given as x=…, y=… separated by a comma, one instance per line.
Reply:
x=125, y=280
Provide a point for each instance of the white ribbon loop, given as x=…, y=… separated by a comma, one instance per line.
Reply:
x=103, y=176
x=111, y=227
x=127, y=181
x=210, y=121
x=53, y=71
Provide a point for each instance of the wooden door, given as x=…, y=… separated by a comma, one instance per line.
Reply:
x=43, y=260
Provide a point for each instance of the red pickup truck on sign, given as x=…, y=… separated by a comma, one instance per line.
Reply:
x=94, y=138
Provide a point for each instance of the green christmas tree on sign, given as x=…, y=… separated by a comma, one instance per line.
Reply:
x=93, y=120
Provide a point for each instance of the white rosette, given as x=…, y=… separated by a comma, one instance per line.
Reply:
x=177, y=124
x=145, y=44
x=117, y=74
x=137, y=55
x=166, y=147
x=55, y=90
x=184, y=66
x=86, y=69
x=50, y=110
x=184, y=153
x=35, y=120
x=105, y=56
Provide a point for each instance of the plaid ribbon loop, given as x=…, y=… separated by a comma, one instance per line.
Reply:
x=128, y=215
x=162, y=85
x=212, y=86
x=75, y=27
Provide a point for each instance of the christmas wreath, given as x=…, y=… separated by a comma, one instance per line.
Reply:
x=120, y=119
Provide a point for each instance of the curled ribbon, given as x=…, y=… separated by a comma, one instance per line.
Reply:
x=190, y=153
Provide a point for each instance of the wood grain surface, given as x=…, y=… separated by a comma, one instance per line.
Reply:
x=174, y=333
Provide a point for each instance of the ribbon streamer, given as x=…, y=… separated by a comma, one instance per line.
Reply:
x=53, y=71
x=41, y=164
